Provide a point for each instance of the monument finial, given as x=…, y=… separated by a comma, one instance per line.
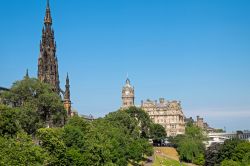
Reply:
x=47, y=4
x=47, y=18
x=27, y=74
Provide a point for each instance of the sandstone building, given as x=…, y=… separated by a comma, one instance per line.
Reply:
x=204, y=125
x=200, y=123
x=167, y=113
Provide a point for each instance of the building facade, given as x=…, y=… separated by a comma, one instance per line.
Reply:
x=128, y=95
x=222, y=136
x=48, y=63
x=204, y=125
x=166, y=113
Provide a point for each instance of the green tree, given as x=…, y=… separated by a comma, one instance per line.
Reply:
x=21, y=151
x=123, y=120
x=157, y=131
x=199, y=159
x=75, y=134
x=188, y=149
x=142, y=118
x=227, y=151
x=212, y=155
x=124, y=132
x=74, y=157
x=241, y=150
x=190, y=146
x=38, y=102
x=9, y=124
x=50, y=140
x=230, y=163
x=29, y=119
x=246, y=159
x=194, y=132
x=234, y=150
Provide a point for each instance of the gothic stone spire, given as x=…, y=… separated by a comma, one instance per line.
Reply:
x=47, y=18
x=67, y=102
x=67, y=89
x=27, y=74
x=47, y=62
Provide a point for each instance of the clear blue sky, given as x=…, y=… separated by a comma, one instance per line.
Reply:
x=194, y=51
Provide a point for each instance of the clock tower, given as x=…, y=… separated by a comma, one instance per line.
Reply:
x=128, y=95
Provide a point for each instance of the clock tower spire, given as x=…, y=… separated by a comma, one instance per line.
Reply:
x=128, y=95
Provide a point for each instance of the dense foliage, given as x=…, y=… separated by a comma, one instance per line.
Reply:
x=157, y=132
x=37, y=104
x=105, y=141
x=34, y=131
x=232, y=152
x=190, y=146
x=21, y=150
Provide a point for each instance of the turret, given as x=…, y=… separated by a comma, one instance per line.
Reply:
x=67, y=101
x=26, y=74
x=67, y=89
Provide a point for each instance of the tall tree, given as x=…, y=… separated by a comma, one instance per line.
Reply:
x=157, y=131
x=37, y=100
x=190, y=146
x=142, y=118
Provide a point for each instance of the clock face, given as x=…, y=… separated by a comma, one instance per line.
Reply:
x=127, y=92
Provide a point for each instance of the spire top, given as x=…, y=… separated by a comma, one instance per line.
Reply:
x=47, y=19
x=27, y=74
x=47, y=4
x=67, y=89
x=127, y=82
x=67, y=79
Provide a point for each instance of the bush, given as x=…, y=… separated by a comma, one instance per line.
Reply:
x=230, y=163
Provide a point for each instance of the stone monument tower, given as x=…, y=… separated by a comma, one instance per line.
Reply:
x=47, y=62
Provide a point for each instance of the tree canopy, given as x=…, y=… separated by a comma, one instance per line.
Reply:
x=190, y=146
x=30, y=107
x=38, y=104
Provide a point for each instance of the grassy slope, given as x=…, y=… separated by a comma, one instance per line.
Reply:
x=166, y=156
